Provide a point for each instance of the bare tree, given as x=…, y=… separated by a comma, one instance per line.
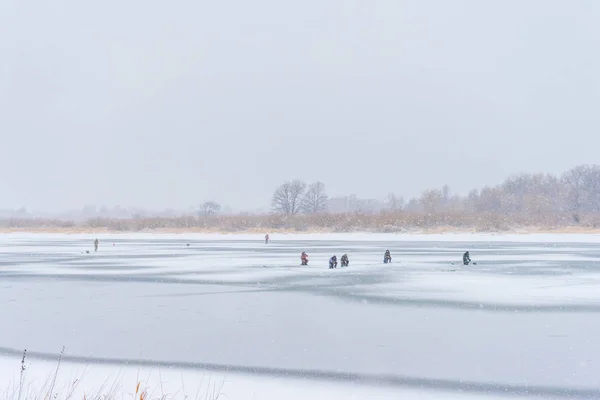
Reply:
x=592, y=184
x=432, y=200
x=287, y=198
x=582, y=186
x=413, y=204
x=209, y=208
x=446, y=194
x=315, y=199
x=490, y=200
x=394, y=203
x=574, y=184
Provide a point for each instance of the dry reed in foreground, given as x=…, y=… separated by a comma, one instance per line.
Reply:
x=73, y=390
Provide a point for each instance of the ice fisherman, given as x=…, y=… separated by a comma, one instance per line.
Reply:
x=466, y=258
x=267, y=238
x=333, y=262
x=304, y=258
x=344, y=260
x=96, y=244
x=387, y=258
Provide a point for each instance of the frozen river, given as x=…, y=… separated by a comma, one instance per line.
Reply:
x=523, y=322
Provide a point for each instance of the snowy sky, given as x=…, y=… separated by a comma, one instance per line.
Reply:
x=167, y=104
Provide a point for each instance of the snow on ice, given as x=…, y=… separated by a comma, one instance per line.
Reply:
x=522, y=322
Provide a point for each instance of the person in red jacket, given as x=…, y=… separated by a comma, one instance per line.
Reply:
x=304, y=258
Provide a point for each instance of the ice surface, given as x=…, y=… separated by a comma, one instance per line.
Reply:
x=522, y=322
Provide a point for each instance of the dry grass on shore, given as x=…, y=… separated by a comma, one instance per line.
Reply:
x=399, y=222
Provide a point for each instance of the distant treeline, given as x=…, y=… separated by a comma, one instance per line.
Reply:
x=576, y=193
x=542, y=201
x=539, y=196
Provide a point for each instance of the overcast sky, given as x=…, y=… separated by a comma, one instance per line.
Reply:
x=167, y=104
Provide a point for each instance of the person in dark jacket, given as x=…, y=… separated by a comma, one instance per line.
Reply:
x=344, y=261
x=333, y=262
x=387, y=258
x=466, y=258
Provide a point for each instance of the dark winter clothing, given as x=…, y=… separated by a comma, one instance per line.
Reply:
x=387, y=258
x=333, y=262
x=466, y=258
x=345, y=261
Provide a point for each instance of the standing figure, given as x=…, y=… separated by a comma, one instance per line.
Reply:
x=387, y=258
x=466, y=258
x=96, y=244
x=344, y=261
x=267, y=238
x=333, y=262
x=304, y=258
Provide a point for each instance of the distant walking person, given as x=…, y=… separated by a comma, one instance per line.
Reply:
x=96, y=244
x=387, y=258
x=267, y=238
x=466, y=258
